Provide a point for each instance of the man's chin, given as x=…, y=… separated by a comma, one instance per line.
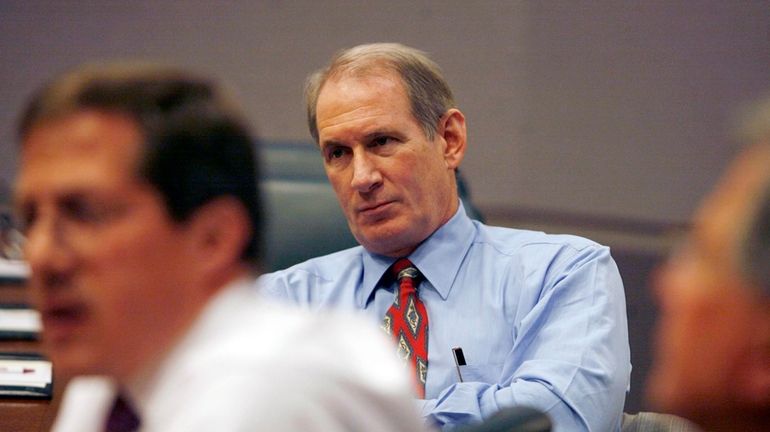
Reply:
x=70, y=360
x=387, y=245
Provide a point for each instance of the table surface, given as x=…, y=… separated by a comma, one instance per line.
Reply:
x=23, y=415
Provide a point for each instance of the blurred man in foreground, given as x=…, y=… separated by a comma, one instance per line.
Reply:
x=713, y=345
x=487, y=317
x=138, y=194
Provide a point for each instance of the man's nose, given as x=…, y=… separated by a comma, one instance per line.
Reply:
x=45, y=248
x=366, y=175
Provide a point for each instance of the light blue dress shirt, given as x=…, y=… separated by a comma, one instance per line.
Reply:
x=541, y=320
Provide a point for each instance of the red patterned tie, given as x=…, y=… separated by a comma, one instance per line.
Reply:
x=407, y=321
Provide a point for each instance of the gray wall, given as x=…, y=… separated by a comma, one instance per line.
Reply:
x=603, y=108
x=593, y=117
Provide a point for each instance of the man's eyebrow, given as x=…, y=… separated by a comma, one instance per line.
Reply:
x=375, y=134
x=369, y=136
x=330, y=143
x=382, y=132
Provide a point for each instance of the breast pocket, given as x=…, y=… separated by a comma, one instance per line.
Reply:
x=486, y=373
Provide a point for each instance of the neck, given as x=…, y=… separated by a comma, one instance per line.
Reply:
x=218, y=281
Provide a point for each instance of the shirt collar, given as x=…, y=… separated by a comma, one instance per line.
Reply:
x=438, y=257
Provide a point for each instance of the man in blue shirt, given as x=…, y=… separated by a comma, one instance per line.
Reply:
x=540, y=319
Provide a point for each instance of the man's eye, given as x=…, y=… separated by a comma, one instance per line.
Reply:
x=336, y=153
x=26, y=217
x=382, y=140
x=85, y=212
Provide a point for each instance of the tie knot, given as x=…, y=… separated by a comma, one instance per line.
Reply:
x=404, y=268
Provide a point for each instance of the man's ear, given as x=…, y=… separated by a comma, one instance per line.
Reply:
x=220, y=230
x=452, y=130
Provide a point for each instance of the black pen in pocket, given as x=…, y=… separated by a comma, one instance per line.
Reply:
x=457, y=352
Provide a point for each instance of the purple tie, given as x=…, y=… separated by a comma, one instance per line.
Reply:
x=122, y=417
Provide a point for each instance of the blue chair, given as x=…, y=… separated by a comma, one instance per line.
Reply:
x=304, y=219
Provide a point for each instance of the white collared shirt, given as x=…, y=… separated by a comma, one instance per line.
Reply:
x=251, y=365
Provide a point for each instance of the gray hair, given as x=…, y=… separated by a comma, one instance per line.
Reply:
x=429, y=94
x=754, y=255
x=753, y=122
x=755, y=246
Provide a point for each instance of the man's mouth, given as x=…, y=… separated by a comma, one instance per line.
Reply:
x=61, y=320
x=373, y=209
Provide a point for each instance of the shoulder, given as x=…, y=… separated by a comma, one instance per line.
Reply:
x=521, y=243
x=258, y=336
x=292, y=366
x=327, y=267
x=545, y=260
x=325, y=337
x=316, y=279
x=342, y=367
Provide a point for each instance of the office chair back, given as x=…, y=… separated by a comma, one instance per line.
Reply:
x=304, y=219
x=656, y=422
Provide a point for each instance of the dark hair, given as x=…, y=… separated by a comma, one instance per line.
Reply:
x=197, y=146
x=429, y=94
